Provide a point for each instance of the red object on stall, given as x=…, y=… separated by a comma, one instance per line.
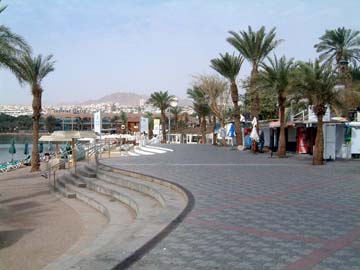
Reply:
x=247, y=131
x=301, y=141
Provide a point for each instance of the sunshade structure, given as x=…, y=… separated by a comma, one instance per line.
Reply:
x=12, y=150
x=67, y=136
x=254, y=135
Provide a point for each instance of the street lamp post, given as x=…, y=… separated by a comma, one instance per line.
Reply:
x=173, y=104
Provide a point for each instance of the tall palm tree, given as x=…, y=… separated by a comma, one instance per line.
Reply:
x=316, y=83
x=254, y=46
x=162, y=101
x=32, y=70
x=339, y=44
x=11, y=46
x=150, y=116
x=229, y=67
x=176, y=111
x=276, y=77
x=201, y=108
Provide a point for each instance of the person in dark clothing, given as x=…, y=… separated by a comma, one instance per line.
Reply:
x=261, y=141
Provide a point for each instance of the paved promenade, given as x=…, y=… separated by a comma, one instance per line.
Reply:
x=256, y=212
x=36, y=227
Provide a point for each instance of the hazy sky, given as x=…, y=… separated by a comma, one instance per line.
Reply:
x=144, y=46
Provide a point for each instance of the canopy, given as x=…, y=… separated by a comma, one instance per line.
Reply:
x=67, y=136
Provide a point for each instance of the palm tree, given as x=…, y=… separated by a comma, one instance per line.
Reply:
x=32, y=71
x=201, y=108
x=216, y=94
x=162, y=101
x=316, y=83
x=254, y=46
x=176, y=111
x=229, y=67
x=276, y=77
x=339, y=44
x=150, y=116
x=11, y=46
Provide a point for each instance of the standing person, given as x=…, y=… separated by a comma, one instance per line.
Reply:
x=223, y=135
x=261, y=141
x=231, y=133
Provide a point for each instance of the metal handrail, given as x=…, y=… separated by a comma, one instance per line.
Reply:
x=94, y=150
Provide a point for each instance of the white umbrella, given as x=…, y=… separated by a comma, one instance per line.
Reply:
x=254, y=135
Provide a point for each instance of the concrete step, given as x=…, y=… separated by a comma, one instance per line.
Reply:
x=106, y=174
x=121, y=238
x=86, y=170
x=132, y=154
x=152, y=150
x=71, y=178
x=159, y=148
x=138, y=151
x=65, y=192
x=145, y=207
x=120, y=219
x=164, y=188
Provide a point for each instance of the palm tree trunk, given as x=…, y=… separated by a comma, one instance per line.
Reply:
x=203, y=130
x=255, y=99
x=214, y=127
x=36, y=106
x=282, y=143
x=319, y=142
x=235, y=99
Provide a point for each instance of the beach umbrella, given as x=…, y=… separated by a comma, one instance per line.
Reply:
x=254, y=135
x=26, y=149
x=41, y=147
x=12, y=150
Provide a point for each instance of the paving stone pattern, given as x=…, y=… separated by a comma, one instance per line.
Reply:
x=256, y=212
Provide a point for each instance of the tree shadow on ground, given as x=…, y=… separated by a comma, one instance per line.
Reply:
x=8, y=238
x=32, y=195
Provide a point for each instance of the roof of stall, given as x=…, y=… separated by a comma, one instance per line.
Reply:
x=67, y=136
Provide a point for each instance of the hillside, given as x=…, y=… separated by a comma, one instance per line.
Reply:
x=127, y=98
x=122, y=98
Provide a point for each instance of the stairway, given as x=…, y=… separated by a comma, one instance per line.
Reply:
x=138, y=209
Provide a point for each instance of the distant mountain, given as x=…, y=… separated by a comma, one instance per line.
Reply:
x=122, y=98
x=130, y=99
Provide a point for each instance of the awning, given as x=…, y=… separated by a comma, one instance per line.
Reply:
x=276, y=124
x=67, y=136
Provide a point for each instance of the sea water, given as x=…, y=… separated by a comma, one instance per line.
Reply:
x=20, y=140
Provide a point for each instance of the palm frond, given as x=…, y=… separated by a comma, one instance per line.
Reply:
x=227, y=65
x=337, y=44
x=254, y=45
